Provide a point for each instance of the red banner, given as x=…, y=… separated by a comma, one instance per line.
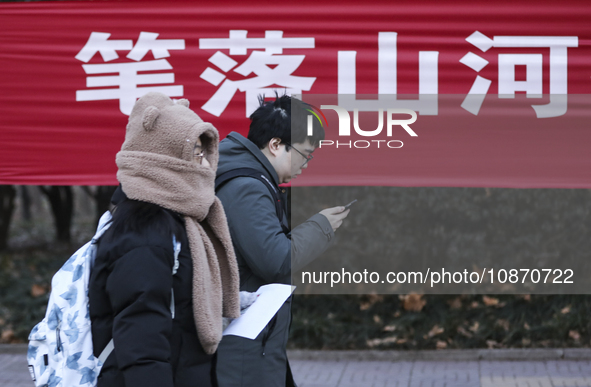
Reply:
x=71, y=71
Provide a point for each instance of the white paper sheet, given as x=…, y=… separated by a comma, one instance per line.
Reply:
x=257, y=316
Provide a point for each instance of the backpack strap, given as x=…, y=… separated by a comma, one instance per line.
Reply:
x=106, y=352
x=253, y=173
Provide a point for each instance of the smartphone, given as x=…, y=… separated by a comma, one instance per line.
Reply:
x=349, y=205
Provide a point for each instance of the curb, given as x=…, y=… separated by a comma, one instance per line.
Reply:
x=536, y=354
x=13, y=349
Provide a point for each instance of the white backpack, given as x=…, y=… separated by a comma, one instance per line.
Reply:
x=60, y=350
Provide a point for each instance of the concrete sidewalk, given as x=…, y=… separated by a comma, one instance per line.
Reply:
x=442, y=373
x=453, y=368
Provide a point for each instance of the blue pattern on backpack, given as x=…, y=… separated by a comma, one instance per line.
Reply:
x=54, y=317
x=78, y=273
x=72, y=319
x=53, y=380
x=72, y=361
x=69, y=265
x=32, y=352
x=70, y=295
x=87, y=375
x=73, y=332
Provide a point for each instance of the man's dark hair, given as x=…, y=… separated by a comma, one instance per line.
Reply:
x=285, y=118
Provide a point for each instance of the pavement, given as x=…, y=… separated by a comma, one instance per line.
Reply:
x=446, y=368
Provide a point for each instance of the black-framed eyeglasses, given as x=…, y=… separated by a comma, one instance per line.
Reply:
x=308, y=158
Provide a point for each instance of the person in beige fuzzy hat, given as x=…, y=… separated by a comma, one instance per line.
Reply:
x=165, y=327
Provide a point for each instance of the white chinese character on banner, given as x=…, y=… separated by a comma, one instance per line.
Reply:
x=533, y=62
x=426, y=104
x=128, y=78
x=270, y=67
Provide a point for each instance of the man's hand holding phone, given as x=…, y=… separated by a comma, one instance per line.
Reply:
x=350, y=204
x=336, y=215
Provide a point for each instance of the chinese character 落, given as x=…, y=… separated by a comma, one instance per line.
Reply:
x=265, y=62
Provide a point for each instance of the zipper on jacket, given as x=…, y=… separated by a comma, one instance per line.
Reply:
x=271, y=328
x=58, y=340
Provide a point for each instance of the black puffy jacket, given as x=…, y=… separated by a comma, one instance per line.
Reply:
x=130, y=301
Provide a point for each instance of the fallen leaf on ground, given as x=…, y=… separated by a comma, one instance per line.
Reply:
x=37, y=290
x=414, y=302
x=7, y=336
x=389, y=328
x=490, y=301
x=369, y=300
x=456, y=303
x=565, y=310
x=576, y=336
x=377, y=342
x=503, y=323
x=436, y=330
x=462, y=331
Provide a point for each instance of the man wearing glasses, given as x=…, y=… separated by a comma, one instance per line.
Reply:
x=249, y=172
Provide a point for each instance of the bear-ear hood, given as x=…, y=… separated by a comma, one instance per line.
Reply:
x=157, y=124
